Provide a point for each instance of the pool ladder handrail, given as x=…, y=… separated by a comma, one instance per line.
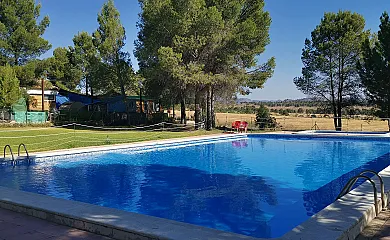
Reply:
x=25, y=149
x=10, y=150
x=353, y=180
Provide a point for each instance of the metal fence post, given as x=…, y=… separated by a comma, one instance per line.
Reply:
x=74, y=133
x=251, y=125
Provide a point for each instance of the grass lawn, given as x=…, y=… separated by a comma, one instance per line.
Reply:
x=46, y=139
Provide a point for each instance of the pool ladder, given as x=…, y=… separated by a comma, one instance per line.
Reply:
x=347, y=188
x=12, y=154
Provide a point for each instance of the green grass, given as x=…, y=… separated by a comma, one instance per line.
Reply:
x=46, y=139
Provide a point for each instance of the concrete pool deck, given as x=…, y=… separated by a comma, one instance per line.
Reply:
x=378, y=229
x=344, y=219
x=17, y=226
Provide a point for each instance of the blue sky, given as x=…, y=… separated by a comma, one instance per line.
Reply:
x=292, y=22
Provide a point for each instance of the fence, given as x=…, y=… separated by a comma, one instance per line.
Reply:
x=5, y=115
x=79, y=135
x=30, y=117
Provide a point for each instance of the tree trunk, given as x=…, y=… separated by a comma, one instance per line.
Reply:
x=208, y=109
x=91, y=94
x=123, y=92
x=183, y=119
x=16, y=62
x=388, y=116
x=212, y=108
x=197, y=110
x=86, y=86
x=334, y=116
x=173, y=111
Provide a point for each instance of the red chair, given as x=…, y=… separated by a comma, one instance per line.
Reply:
x=243, y=127
x=236, y=125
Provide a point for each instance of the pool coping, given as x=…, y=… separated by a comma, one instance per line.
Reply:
x=344, y=219
x=129, y=146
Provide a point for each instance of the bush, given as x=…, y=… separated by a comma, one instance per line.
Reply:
x=9, y=86
x=264, y=119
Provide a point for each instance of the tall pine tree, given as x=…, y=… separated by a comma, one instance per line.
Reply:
x=21, y=40
x=109, y=40
x=329, y=60
x=20, y=32
x=199, y=47
x=374, y=68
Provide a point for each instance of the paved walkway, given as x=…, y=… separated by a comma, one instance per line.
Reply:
x=378, y=229
x=17, y=226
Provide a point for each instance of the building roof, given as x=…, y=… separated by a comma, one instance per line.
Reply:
x=39, y=92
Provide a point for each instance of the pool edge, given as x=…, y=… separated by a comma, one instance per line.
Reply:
x=359, y=202
x=124, y=146
x=109, y=222
x=79, y=215
x=345, y=218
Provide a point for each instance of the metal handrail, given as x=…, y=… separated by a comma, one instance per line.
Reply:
x=25, y=149
x=347, y=186
x=380, y=181
x=10, y=150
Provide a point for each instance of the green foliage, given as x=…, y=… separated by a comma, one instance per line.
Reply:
x=374, y=69
x=9, y=86
x=63, y=70
x=203, y=48
x=264, y=119
x=216, y=47
x=20, y=31
x=116, y=72
x=110, y=35
x=84, y=55
x=330, y=59
x=28, y=73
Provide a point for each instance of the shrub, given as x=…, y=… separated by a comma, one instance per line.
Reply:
x=264, y=119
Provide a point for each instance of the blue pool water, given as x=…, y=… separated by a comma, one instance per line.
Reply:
x=261, y=186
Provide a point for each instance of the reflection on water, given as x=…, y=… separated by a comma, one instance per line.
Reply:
x=222, y=201
x=240, y=143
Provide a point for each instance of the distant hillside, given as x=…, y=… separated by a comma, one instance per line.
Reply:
x=244, y=100
x=248, y=100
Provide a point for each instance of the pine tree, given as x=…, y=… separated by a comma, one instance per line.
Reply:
x=374, y=69
x=20, y=32
x=197, y=48
x=330, y=58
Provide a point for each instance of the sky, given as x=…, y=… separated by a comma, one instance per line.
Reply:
x=292, y=23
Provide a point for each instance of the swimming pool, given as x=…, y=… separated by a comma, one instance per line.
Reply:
x=261, y=186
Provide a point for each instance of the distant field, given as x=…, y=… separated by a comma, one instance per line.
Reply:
x=300, y=123
x=305, y=123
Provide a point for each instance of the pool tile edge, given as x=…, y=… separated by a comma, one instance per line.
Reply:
x=126, y=146
x=344, y=219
